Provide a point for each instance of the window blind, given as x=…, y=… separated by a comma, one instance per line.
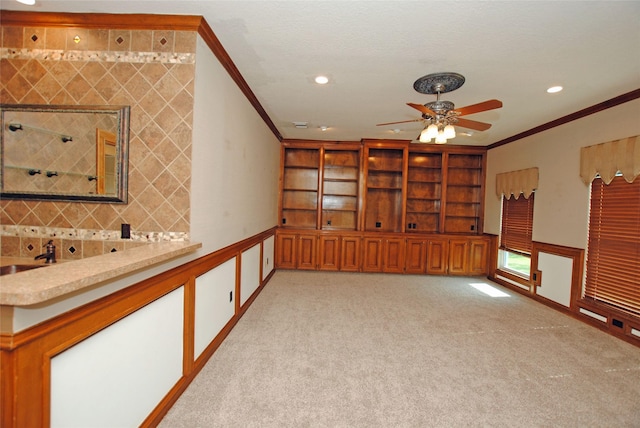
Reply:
x=613, y=254
x=517, y=224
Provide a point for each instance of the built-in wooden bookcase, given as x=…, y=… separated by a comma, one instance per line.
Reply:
x=300, y=177
x=424, y=192
x=464, y=194
x=384, y=189
x=340, y=184
x=382, y=206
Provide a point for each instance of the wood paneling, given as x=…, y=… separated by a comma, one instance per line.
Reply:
x=25, y=356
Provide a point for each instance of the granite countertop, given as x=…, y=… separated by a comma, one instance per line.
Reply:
x=46, y=283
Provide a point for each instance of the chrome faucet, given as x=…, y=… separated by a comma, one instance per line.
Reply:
x=49, y=255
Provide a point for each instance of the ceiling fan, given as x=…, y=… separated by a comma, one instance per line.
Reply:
x=440, y=116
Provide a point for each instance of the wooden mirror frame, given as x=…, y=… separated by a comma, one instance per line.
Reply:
x=122, y=150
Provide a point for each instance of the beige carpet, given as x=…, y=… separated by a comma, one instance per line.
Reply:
x=323, y=349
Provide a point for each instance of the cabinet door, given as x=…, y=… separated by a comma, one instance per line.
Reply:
x=350, y=254
x=329, y=252
x=458, y=256
x=478, y=257
x=416, y=256
x=393, y=255
x=307, y=252
x=286, y=251
x=372, y=260
x=437, y=257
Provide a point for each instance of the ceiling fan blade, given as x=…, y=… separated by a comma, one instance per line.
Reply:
x=423, y=109
x=472, y=124
x=477, y=108
x=402, y=121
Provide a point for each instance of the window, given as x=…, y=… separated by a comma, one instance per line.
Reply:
x=613, y=252
x=515, y=237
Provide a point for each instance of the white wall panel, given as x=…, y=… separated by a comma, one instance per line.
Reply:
x=250, y=273
x=556, y=278
x=116, y=377
x=268, y=246
x=215, y=303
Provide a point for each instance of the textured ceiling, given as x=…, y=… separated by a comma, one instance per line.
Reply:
x=373, y=51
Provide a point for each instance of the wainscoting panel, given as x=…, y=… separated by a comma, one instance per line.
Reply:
x=250, y=273
x=215, y=303
x=117, y=376
x=268, y=248
x=555, y=281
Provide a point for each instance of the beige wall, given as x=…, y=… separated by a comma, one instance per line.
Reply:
x=562, y=200
x=236, y=161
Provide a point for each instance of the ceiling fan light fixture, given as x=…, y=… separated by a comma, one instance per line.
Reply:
x=441, y=139
x=449, y=132
x=424, y=138
x=432, y=131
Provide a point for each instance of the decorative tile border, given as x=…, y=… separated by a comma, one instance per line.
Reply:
x=98, y=56
x=89, y=234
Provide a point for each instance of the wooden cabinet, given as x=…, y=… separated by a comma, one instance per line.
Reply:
x=424, y=192
x=383, y=254
x=382, y=206
x=296, y=251
x=465, y=193
x=468, y=256
x=384, y=178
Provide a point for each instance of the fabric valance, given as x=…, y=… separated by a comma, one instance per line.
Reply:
x=607, y=159
x=523, y=181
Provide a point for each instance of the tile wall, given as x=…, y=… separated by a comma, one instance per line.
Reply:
x=153, y=72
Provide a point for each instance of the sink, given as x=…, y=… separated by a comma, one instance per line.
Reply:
x=7, y=270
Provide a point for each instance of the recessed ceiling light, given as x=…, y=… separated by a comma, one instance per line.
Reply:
x=322, y=80
x=27, y=2
x=554, y=89
x=323, y=128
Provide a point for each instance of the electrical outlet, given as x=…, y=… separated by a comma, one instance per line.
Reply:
x=125, y=231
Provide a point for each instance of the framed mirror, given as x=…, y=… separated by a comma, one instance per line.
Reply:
x=64, y=153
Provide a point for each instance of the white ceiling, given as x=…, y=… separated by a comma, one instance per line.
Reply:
x=373, y=51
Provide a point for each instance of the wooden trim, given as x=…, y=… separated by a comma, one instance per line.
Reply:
x=189, y=326
x=218, y=50
x=596, y=108
x=135, y=21
x=25, y=356
x=576, y=254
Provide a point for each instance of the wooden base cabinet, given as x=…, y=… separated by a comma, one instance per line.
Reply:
x=296, y=251
x=391, y=253
x=468, y=256
x=383, y=255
